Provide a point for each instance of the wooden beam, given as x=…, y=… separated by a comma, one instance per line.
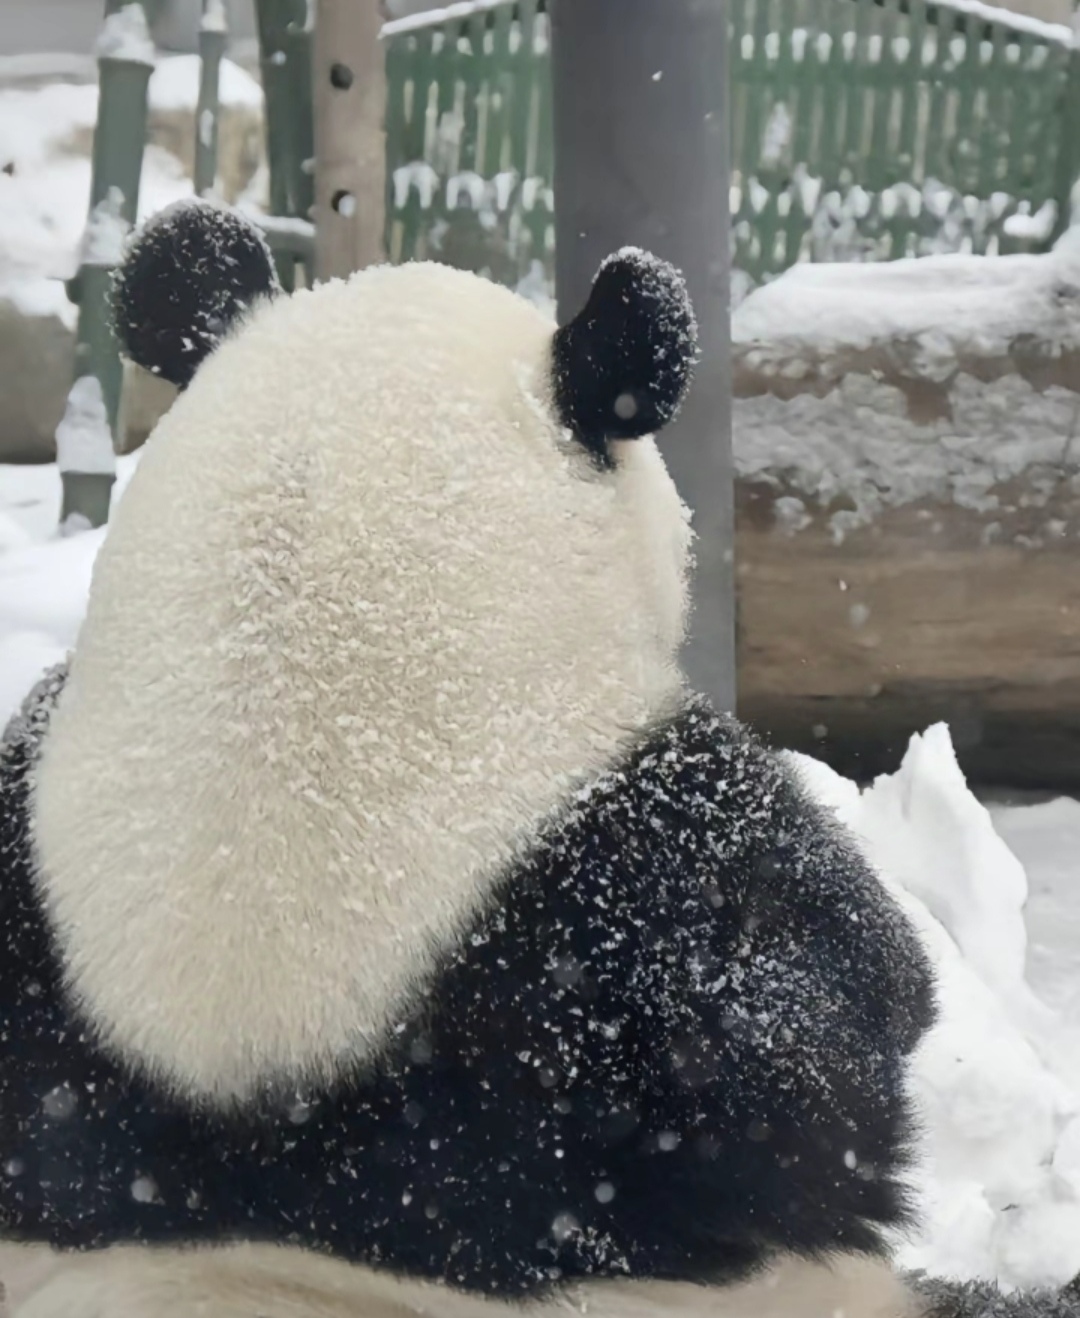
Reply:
x=641, y=157
x=350, y=145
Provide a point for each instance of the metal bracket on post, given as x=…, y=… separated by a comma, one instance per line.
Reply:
x=642, y=158
x=85, y=437
x=213, y=37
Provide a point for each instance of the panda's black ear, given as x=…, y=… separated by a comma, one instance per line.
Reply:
x=622, y=366
x=188, y=275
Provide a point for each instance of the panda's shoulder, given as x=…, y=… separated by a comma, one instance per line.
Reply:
x=704, y=791
x=21, y=743
x=22, y=736
x=704, y=833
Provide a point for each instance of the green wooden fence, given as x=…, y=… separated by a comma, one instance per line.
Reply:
x=862, y=129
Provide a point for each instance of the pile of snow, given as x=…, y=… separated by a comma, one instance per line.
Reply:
x=174, y=85
x=998, y=1080
x=45, y=165
x=45, y=139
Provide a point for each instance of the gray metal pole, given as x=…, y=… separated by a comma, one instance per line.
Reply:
x=642, y=157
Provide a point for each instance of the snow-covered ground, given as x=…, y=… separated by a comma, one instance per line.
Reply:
x=45, y=172
x=995, y=891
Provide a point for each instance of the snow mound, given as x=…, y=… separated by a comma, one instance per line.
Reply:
x=45, y=186
x=999, y=1178
x=174, y=85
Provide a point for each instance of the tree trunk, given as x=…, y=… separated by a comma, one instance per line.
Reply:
x=642, y=157
x=350, y=143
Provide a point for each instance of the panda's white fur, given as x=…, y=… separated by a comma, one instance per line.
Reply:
x=375, y=614
x=253, y=1281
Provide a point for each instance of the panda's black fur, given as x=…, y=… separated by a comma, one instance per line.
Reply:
x=671, y=1047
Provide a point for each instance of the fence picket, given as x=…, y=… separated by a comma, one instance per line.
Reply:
x=861, y=129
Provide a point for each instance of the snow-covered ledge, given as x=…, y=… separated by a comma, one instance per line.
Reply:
x=909, y=509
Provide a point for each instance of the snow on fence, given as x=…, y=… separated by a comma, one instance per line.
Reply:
x=861, y=130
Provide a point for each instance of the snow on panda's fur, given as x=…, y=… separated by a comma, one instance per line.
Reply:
x=376, y=906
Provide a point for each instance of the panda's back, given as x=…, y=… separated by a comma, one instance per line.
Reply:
x=670, y=1044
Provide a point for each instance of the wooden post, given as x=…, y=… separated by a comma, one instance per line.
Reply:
x=350, y=141
x=642, y=157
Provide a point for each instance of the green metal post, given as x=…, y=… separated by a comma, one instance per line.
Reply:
x=125, y=60
x=1068, y=162
x=285, y=40
x=213, y=36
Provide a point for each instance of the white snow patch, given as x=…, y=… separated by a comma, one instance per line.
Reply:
x=437, y=17
x=417, y=174
x=106, y=232
x=41, y=298
x=44, y=578
x=174, y=85
x=44, y=198
x=1034, y=228
x=1057, y=33
x=83, y=439
x=125, y=36
x=214, y=18
x=858, y=444
x=972, y=304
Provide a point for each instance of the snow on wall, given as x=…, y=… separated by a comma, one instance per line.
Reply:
x=858, y=444
x=827, y=429
x=951, y=304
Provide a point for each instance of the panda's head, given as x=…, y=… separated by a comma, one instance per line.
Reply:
x=400, y=568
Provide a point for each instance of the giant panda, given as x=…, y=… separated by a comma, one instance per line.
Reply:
x=386, y=929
